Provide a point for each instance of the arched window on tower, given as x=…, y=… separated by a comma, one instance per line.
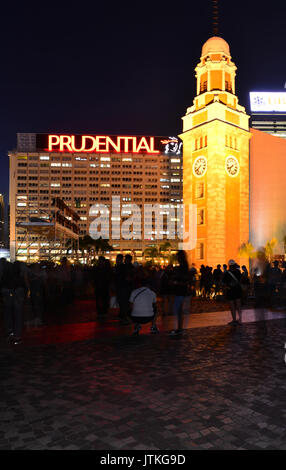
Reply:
x=204, y=86
x=228, y=86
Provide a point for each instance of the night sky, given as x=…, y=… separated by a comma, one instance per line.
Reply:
x=123, y=67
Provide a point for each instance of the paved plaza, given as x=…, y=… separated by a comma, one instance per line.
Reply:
x=92, y=386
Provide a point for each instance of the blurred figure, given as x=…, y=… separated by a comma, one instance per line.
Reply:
x=202, y=280
x=180, y=286
x=37, y=281
x=14, y=286
x=122, y=286
x=245, y=284
x=208, y=281
x=78, y=280
x=164, y=290
x=274, y=283
x=231, y=280
x=102, y=280
x=65, y=282
x=217, y=279
x=261, y=271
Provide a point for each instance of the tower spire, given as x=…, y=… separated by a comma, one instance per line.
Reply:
x=215, y=18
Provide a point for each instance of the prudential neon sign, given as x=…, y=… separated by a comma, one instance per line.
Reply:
x=101, y=144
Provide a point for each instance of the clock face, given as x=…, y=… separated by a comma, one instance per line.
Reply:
x=232, y=166
x=200, y=166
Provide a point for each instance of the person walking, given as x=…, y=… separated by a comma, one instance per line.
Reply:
x=231, y=281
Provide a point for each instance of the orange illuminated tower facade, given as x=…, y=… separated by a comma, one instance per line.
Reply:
x=216, y=159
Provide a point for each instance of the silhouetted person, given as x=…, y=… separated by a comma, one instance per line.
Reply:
x=164, y=290
x=102, y=280
x=180, y=286
x=231, y=280
x=122, y=289
x=245, y=284
x=217, y=279
x=274, y=282
x=208, y=280
x=65, y=282
x=202, y=280
x=14, y=285
x=37, y=280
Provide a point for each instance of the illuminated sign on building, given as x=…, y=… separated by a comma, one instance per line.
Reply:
x=108, y=144
x=267, y=101
x=101, y=143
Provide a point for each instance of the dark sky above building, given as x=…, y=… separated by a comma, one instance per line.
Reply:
x=124, y=67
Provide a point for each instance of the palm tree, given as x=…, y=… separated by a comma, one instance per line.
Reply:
x=247, y=250
x=86, y=244
x=163, y=248
x=269, y=248
x=91, y=247
x=151, y=252
x=101, y=245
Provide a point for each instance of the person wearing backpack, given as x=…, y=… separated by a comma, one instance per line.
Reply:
x=14, y=284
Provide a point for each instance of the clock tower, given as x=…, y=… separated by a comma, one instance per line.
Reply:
x=216, y=159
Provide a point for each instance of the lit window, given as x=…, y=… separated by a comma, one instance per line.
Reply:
x=200, y=251
x=200, y=190
x=201, y=217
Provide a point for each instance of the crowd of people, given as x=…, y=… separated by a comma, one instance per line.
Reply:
x=133, y=289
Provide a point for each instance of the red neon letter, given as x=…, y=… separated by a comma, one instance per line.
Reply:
x=104, y=150
x=53, y=140
x=143, y=144
x=93, y=146
x=115, y=146
x=152, y=146
x=82, y=148
x=65, y=141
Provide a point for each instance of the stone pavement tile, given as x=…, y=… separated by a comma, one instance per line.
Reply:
x=107, y=397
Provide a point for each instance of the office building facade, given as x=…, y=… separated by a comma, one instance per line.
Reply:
x=268, y=112
x=89, y=172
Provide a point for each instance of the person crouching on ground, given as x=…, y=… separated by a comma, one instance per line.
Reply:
x=143, y=305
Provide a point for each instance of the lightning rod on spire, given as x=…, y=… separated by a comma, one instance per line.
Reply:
x=215, y=18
